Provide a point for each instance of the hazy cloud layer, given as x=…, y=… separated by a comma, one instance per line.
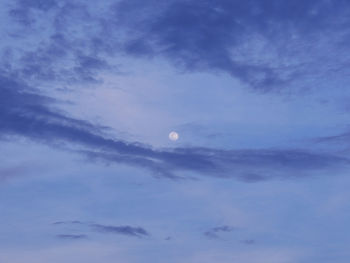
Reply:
x=248, y=85
x=208, y=35
x=196, y=35
x=25, y=113
x=225, y=36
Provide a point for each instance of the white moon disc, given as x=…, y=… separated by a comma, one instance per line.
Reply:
x=173, y=136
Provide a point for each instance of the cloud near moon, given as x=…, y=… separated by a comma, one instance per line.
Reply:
x=174, y=136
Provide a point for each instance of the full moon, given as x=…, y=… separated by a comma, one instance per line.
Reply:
x=173, y=136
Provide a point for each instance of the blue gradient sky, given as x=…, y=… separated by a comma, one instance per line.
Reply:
x=257, y=90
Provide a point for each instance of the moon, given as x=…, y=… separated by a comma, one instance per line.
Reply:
x=174, y=136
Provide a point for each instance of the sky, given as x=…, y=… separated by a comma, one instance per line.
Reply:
x=257, y=91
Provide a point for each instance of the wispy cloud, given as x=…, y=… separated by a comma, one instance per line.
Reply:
x=193, y=35
x=30, y=115
x=121, y=230
x=70, y=236
x=108, y=229
x=215, y=232
x=248, y=241
x=67, y=222
x=24, y=111
x=202, y=35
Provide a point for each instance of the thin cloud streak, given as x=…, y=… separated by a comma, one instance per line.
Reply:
x=215, y=232
x=106, y=229
x=122, y=230
x=71, y=237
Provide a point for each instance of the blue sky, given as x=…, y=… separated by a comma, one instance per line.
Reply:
x=257, y=91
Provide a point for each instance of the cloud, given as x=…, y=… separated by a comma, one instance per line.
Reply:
x=108, y=229
x=193, y=35
x=199, y=35
x=69, y=236
x=57, y=54
x=22, y=11
x=67, y=222
x=248, y=241
x=26, y=113
x=205, y=35
x=246, y=165
x=215, y=232
x=7, y=172
x=338, y=138
x=122, y=230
